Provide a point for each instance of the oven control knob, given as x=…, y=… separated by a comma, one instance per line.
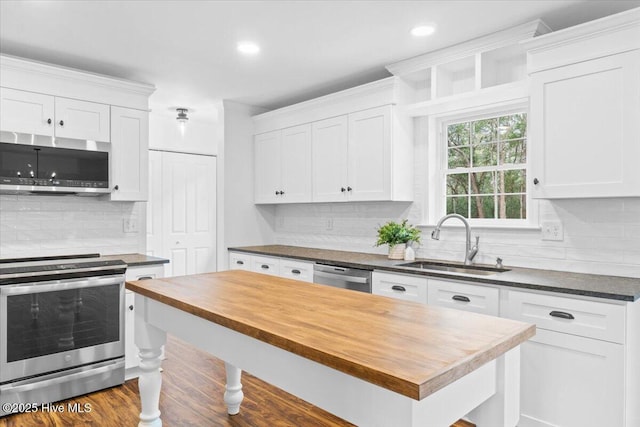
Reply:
x=67, y=358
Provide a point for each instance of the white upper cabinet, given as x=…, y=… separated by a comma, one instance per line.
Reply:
x=26, y=112
x=282, y=161
x=369, y=154
x=585, y=128
x=584, y=110
x=81, y=119
x=41, y=114
x=329, y=146
x=361, y=148
x=129, y=154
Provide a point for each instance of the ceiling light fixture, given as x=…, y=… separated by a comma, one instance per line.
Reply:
x=182, y=115
x=248, y=48
x=422, y=30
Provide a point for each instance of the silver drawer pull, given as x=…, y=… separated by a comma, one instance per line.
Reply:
x=398, y=288
x=562, y=315
x=460, y=298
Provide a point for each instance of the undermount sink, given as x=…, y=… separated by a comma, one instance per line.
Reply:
x=455, y=268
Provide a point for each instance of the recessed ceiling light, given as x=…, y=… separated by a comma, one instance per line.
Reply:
x=248, y=48
x=423, y=30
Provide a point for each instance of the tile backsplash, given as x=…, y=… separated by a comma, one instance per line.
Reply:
x=601, y=236
x=37, y=225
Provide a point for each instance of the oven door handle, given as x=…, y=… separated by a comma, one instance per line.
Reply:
x=60, y=285
x=344, y=277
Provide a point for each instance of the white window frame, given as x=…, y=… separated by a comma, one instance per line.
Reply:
x=437, y=164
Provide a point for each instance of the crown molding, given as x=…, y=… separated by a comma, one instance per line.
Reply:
x=510, y=36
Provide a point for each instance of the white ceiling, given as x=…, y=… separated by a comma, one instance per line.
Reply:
x=187, y=49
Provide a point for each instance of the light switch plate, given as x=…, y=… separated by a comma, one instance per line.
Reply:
x=552, y=230
x=130, y=225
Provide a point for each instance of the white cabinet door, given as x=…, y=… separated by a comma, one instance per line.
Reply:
x=295, y=164
x=571, y=381
x=329, y=147
x=265, y=265
x=407, y=288
x=369, y=151
x=129, y=154
x=464, y=296
x=26, y=112
x=585, y=129
x=267, y=167
x=298, y=270
x=81, y=119
x=239, y=261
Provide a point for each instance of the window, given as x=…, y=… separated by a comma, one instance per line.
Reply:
x=485, y=171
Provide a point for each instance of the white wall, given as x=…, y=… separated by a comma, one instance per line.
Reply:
x=241, y=223
x=601, y=236
x=37, y=225
x=198, y=136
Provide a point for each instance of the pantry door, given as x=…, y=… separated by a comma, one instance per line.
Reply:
x=184, y=196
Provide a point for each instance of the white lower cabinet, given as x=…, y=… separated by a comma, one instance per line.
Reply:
x=131, y=359
x=399, y=286
x=575, y=369
x=464, y=296
x=571, y=381
x=274, y=266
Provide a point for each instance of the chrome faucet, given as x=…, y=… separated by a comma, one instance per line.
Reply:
x=471, y=251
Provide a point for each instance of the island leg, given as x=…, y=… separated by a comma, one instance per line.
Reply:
x=503, y=408
x=149, y=340
x=233, y=394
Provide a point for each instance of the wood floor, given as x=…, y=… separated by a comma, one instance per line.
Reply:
x=192, y=388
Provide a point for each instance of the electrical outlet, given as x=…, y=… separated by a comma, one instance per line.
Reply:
x=330, y=224
x=130, y=225
x=552, y=230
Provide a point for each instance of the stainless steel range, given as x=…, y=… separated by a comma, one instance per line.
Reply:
x=61, y=327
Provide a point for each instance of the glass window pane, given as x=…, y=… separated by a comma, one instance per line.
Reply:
x=485, y=155
x=512, y=206
x=512, y=181
x=513, y=152
x=513, y=126
x=482, y=183
x=458, y=183
x=485, y=131
x=459, y=157
x=459, y=205
x=482, y=206
x=458, y=134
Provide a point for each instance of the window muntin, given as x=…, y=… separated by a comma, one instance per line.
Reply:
x=485, y=174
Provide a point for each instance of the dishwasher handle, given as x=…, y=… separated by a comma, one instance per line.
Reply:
x=352, y=279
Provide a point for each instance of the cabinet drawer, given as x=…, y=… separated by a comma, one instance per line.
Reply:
x=408, y=288
x=239, y=261
x=145, y=272
x=265, y=265
x=462, y=296
x=574, y=316
x=298, y=270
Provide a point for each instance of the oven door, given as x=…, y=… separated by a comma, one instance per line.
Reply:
x=60, y=324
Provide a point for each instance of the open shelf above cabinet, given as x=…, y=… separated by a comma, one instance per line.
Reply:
x=495, y=64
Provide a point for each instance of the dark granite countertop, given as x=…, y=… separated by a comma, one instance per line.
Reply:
x=592, y=285
x=137, y=260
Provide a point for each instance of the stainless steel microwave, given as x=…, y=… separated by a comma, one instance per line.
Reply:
x=44, y=164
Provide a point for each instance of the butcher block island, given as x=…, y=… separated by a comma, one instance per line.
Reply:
x=372, y=360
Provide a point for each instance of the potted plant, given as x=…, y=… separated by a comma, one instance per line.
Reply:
x=397, y=235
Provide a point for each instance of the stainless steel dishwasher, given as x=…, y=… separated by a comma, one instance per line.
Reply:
x=342, y=277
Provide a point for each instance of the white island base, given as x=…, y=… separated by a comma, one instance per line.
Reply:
x=489, y=394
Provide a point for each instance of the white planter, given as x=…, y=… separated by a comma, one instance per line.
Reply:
x=397, y=251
